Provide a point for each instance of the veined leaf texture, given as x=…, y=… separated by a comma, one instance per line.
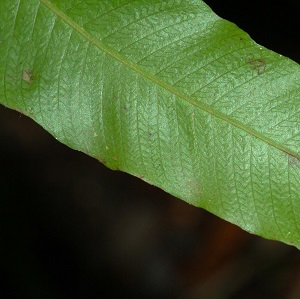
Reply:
x=166, y=91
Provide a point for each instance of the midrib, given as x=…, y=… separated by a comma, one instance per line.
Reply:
x=165, y=85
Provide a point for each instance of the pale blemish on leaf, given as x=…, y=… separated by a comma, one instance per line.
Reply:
x=20, y=111
x=194, y=188
x=101, y=160
x=27, y=76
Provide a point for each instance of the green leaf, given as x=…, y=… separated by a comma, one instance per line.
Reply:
x=166, y=91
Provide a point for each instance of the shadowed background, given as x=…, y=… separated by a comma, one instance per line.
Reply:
x=71, y=228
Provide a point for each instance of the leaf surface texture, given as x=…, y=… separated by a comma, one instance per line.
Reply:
x=166, y=91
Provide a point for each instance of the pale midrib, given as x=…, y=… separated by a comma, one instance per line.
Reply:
x=163, y=84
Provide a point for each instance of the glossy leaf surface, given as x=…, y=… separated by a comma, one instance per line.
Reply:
x=166, y=91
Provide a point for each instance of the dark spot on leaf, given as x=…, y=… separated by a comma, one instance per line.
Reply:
x=27, y=76
x=257, y=64
x=115, y=158
x=124, y=108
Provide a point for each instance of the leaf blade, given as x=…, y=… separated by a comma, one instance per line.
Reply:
x=256, y=64
x=181, y=121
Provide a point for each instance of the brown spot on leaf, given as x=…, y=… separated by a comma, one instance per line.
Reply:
x=257, y=64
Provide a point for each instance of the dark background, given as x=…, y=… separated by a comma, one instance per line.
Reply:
x=71, y=228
